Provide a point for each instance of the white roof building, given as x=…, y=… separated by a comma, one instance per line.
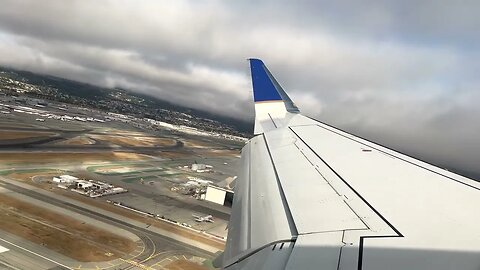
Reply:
x=65, y=179
x=68, y=178
x=196, y=167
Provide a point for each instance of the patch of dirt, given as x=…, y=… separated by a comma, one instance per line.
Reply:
x=197, y=144
x=15, y=125
x=63, y=234
x=175, y=154
x=27, y=176
x=81, y=140
x=147, y=220
x=135, y=140
x=13, y=135
x=219, y=153
x=184, y=265
x=31, y=157
x=114, y=131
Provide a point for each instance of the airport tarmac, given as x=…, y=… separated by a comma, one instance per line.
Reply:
x=155, y=240
x=146, y=162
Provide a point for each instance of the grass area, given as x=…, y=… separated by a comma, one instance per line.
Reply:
x=45, y=158
x=13, y=135
x=144, y=141
x=118, y=164
x=114, y=209
x=30, y=171
x=10, y=171
x=120, y=170
x=60, y=233
x=147, y=220
x=185, y=265
x=81, y=140
x=134, y=179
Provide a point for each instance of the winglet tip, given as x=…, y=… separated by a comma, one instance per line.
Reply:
x=263, y=87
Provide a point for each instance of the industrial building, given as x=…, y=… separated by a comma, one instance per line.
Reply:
x=65, y=179
x=89, y=188
x=219, y=195
x=196, y=167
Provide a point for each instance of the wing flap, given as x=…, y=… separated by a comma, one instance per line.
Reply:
x=259, y=216
x=304, y=187
x=309, y=255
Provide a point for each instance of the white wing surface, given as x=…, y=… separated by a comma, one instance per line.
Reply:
x=311, y=196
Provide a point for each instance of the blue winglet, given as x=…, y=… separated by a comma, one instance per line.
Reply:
x=266, y=88
x=263, y=87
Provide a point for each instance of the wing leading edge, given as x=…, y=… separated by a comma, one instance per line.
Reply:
x=311, y=196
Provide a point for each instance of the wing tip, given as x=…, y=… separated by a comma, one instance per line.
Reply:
x=264, y=89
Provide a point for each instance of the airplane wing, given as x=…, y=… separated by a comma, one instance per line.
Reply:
x=311, y=196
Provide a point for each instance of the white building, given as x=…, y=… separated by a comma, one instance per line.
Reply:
x=219, y=195
x=84, y=184
x=66, y=179
x=196, y=167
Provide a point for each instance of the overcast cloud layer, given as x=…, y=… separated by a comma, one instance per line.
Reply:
x=403, y=73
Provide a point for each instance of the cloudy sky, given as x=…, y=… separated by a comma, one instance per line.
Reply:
x=403, y=73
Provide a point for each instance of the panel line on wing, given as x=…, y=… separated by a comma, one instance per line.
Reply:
x=272, y=120
x=293, y=227
x=320, y=173
x=331, y=211
x=348, y=184
x=249, y=229
x=362, y=237
x=389, y=154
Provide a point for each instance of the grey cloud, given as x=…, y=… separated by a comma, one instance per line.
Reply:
x=401, y=72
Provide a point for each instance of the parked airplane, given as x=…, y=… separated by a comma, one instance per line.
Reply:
x=311, y=196
x=208, y=218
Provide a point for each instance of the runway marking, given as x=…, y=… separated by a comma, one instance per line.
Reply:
x=3, y=249
x=34, y=253
x=9, y=266
x=113, y=263
x=136, y=264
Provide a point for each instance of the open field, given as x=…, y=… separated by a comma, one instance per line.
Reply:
x=135, y=140
x=219, y=153
x=32, y=157
x=184, y=265
x=176, y=155
x=60, y=233
x=26, y=175
x=80, y=140
x=14, y=125
x=118, y=169
x=121, y=154
x=127, y=167
x=147, y=220
x=13, y=135
x=122, y=132
x=196, y=144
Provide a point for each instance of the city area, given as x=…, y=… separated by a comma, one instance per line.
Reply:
x=83, y=188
